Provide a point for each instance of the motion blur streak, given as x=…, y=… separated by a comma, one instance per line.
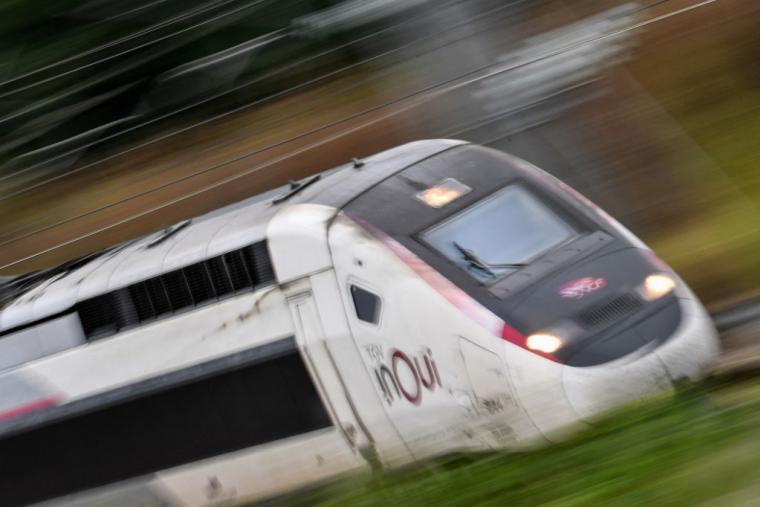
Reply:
x=455, y=83
x=119, y=119
x=610, y=126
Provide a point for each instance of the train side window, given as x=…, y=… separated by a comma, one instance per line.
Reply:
x=366, y=304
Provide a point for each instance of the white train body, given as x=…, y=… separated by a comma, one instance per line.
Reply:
x=350, y=352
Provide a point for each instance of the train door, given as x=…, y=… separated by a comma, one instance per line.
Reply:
x=349, y=435
x=437, y=366
x=303, y=261
x=494, y=400
x=408, y=339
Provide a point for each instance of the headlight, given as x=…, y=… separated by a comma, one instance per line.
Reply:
x=657, y=286
x=544, y=343
x=443, y=192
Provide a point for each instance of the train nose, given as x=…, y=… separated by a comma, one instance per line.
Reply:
x=694, y=347
x=686, y=354
x=594, y=389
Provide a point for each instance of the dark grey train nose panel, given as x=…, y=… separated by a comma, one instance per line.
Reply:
x=530, y=299
x=607, y=323
x=602, y=351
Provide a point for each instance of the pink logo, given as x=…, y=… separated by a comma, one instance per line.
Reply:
x=416, y=373
x=580, y=287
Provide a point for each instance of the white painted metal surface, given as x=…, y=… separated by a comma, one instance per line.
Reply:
x=414, y=357
x=167, y=345
x=431, y=375
x=298, y=240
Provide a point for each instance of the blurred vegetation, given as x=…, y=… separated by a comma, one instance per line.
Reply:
x=55, y=83
x=677, y=138
x=673, y=147
x=670, y=149
x=703, y=71
x=696, y=449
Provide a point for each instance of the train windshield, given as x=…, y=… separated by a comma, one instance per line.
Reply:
x=499, y=234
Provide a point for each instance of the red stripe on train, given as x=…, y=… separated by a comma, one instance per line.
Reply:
x=30, y=407
x=452, y=293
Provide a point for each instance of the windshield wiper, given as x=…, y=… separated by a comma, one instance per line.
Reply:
x=479, y=263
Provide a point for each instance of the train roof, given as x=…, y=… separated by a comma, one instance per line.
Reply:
x=29, y=298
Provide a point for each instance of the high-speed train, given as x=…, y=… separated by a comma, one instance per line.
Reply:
x=437, y=297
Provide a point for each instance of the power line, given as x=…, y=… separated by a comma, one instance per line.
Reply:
x=182, y=109
x=111, y=57
x=233, y=111
x=254, y=81
x=153, y=28
x=193, y=105
x=104, y=207
x=308, y=133
x=648, y=6
x=108, y=74
x=130, y=11
x=453, y=86
x=110, y=190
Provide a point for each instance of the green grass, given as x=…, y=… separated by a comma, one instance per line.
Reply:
x=702, y=447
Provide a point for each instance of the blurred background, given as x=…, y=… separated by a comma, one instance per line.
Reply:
x=119, y=117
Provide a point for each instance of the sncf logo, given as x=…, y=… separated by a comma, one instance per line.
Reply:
x=405, y=376
x=580, y=287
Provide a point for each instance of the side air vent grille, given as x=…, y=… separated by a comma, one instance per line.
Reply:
x=176, y=291
x=609, y=313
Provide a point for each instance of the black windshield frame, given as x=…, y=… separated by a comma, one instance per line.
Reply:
x=391, y=207
x=529, y=205
x=579, y=229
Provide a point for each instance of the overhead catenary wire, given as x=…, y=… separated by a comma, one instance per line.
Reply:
x=106, y=191
x=214, y=97
x=185, y=15
x=233, y=111
x=116, y=203
x=94, y=22
x=648, y=6
x=130, y=11
x=106, y=206
x=196, y=104
x=249, y=83
x=192, y=12
x=122, y=53
x=450, y=84
x=99, y=78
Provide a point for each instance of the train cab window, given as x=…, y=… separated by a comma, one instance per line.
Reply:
x=366, y=304
x=500, y=234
